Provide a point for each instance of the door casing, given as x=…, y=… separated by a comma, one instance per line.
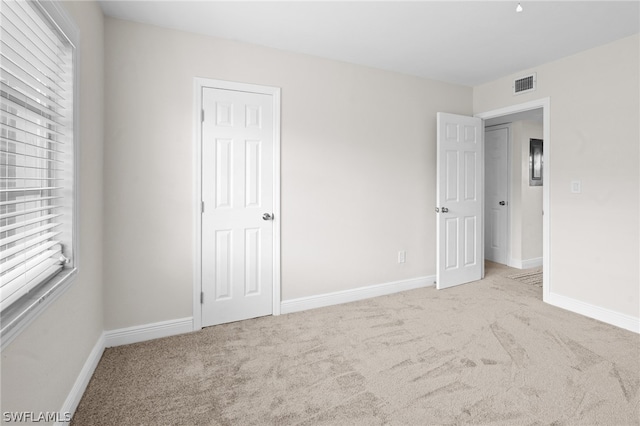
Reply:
x=274, y=92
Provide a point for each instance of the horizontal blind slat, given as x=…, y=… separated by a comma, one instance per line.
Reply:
x=31, y=31
x=31, y=64
x=34, y=20
x=29, y=168
x=22, y=284
x=26, y=234
x=30, y=189
x=7, y=108
x=25, y=267
x=25, y=223
x=24, y=257
x=11, y=78
x=21, y=136
x=28, y=211
x=4, y=141
x=30, y=102
x=56, y=76
x=18, y=70
x=45, y=64
x=36, y=157
x=31, y=200
x=28, y=243
x=20, y=31
x=9, y=180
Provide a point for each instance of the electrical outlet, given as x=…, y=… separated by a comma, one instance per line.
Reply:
x=402, y=256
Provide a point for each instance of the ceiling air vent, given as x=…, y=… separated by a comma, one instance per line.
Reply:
x=524, y=84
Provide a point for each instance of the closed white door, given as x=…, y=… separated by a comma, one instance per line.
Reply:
x=459, y=200
x=496, y=181
x=238, y=200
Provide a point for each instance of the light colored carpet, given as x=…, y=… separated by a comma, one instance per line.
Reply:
x=530, y=276
x=488, y=352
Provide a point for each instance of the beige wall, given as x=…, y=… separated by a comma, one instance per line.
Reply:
x=531, y=195
x=526, y=201
x=594, y=129
x=41, y=365
x=358, y=168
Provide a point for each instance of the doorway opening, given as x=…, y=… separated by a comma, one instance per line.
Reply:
x=525, y=219
x=513, y=206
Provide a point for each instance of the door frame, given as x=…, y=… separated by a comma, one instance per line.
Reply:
x=509, y=183
x=545, y=104
x=198, y=85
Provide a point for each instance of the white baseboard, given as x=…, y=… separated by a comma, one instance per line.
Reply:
x=596, y=312
x=123, y=336
x=360, y=293
x=140, y=333
x=74, y=397
x=525, y=264
x=532, y=263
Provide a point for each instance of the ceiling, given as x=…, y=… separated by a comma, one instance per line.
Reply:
x=462, y=42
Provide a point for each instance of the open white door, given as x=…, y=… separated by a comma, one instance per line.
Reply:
x=459, y=200
x=496, y=193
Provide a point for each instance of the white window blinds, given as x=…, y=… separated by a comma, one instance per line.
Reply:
x=36, y=149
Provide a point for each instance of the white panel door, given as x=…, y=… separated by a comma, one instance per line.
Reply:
x=459, y=200
x=237, y=194
x=496, y=190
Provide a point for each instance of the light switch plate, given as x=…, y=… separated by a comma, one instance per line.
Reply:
x=576, y=187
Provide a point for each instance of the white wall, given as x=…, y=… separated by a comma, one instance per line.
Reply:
x=531, y=195
x=594, y=127
x=526, y=201
x=358, y=168
x=41, y=365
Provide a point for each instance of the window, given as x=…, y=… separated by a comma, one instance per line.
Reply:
x=37, y=176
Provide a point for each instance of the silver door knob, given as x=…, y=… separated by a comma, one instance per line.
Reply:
x=502, y=203
x=267, y=216
x=445, y=210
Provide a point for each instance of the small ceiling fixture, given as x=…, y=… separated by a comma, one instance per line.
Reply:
x=519, y=8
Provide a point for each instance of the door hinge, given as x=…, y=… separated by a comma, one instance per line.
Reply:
x=201, y=297
x=202, y=115
x=202, y=207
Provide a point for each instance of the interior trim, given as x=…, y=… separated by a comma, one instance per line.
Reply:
x=352, y=295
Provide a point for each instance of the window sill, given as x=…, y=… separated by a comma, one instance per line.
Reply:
x=16, y=318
